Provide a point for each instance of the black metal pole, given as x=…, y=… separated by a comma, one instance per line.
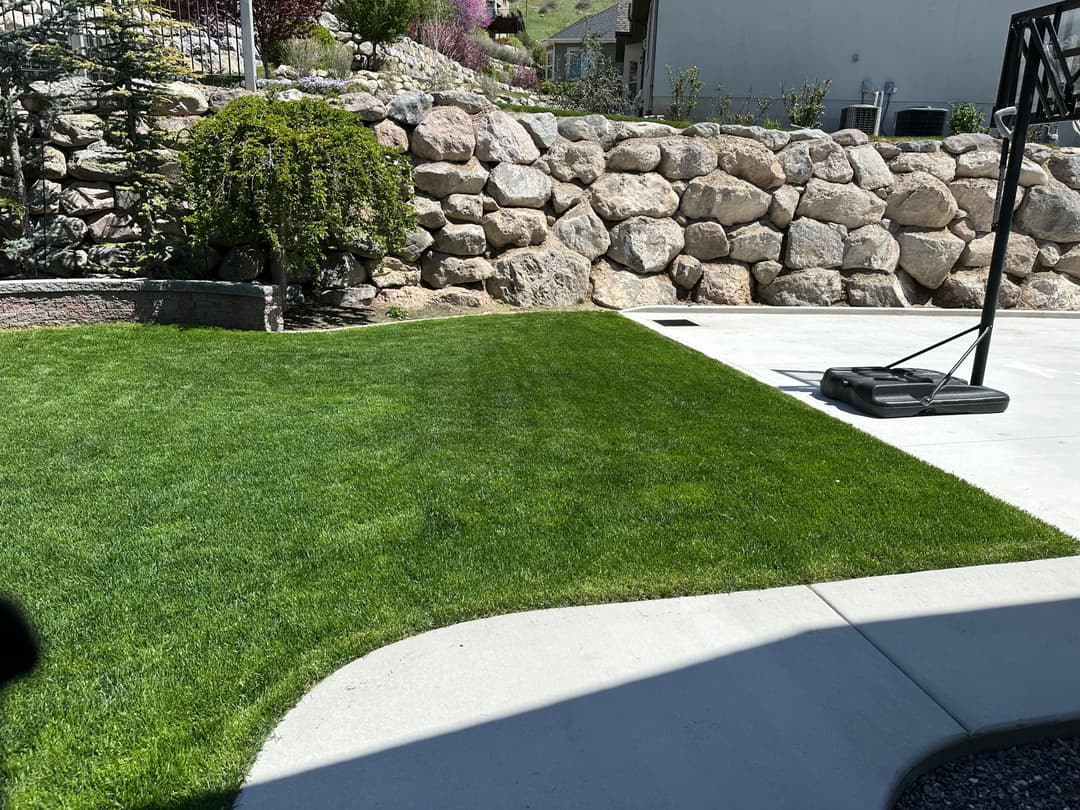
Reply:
x=1006, y=204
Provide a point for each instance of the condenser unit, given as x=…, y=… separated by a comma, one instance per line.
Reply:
x=865, y=117
x=921, y=122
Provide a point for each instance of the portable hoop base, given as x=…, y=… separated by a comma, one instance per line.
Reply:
x=889, y=392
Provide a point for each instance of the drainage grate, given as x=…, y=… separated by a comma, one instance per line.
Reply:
x=675, y=322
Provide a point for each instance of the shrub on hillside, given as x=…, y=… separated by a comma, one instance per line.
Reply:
x=524, y=77
x=806, y=106
x=500, y=50
x=452, y=40
x=601, y=89
x=380, y=21
x=293, y=177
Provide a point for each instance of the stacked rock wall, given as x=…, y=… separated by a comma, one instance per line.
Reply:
x=532, y=210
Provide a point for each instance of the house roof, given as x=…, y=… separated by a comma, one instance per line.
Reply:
x=603, y=25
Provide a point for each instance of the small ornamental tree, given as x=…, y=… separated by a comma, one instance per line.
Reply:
x=279, y=20
x=294, y=177
x=380, y=21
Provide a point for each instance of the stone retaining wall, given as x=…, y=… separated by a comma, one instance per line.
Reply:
x=533, y=210
x=90, y=301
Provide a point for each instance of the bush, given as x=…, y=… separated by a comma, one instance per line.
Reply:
x=279, y=20
x=723, y=113
x=966, y=117
x=601, y=90
x=685, y=87
x=380, y=21
x=524, y=77
x=452, y=40
x=499, y=50
x=292, y=177
x=302, y=54
x=806, y=106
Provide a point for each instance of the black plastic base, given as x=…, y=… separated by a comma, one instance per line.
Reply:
x=891, y=392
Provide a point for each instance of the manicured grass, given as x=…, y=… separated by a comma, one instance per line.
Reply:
x=203, y=523
x=559, y=14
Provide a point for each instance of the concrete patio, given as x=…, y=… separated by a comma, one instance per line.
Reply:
x=1026, y=456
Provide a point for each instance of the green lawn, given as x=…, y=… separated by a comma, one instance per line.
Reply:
x=203, y=523
x=557, y=14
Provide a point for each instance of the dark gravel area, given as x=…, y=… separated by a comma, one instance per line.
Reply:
x=1037, y=776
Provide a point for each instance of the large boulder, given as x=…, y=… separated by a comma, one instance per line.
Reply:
x=242, y=264
x=540, y=276
x=179, y=98
x=941, y=165
x=390, y=136
x=619, y=195
x=706, y=241
x=409, y=108
x=429, y=212
x=969, y=142
x=615, y=287
x=114, y=227
x=921, y=200
x=1069, y=262
x=966, y=289
x=565, y=196
x=843, y=203
x=929, y=255
x=830, y=161
x=588, y=128
x=472, y=103
x=543, y=127
x=446, y=133
x=98, y=161
x=871, y=247
x=773, y=139
x=79, y=199
x=75, y=130
x=814, y=244
x=724, y=283
x=581, y=230
x=512, y=185
x=870, y=169
x=685, y=158
x=755, y=243
x=417, y=240
x=461, y=240
x=1049, y=291
x=580, y=160
x=393, y=272
x=624, y=130
x=499, y=139
x=365, y=106
x=443, y=179
x=646, y=245
x=806, y=288
x=796, y=162
x=782, y=207
x=875, y=290
x=976, y=197
x=685, y=272
x=1050, y=213
x=727, y=199
x=515, y=227
x=635, y=155
x=336, y=270
x=984, y=163
x=440, y=270
x=748, y=160
x=850, y=137
x=1064, y=164
x=464, y=207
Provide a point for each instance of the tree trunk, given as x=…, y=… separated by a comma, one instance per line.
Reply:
x=279, y=274
x=18, y=171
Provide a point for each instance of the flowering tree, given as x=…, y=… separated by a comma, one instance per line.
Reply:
x=471, y=13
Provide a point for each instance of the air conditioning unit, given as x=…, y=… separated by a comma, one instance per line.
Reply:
x=921, y=122
x=866, y=117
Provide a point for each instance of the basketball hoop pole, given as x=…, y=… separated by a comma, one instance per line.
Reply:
x=1012, y=153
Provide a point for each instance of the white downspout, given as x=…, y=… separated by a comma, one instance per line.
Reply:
x=650, y=56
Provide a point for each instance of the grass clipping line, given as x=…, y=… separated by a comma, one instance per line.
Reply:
x=203, y=523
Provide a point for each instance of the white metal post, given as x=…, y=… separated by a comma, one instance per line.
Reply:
x=247, y=35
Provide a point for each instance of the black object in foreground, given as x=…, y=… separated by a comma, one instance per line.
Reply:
x=886, y=392
x=18, y=649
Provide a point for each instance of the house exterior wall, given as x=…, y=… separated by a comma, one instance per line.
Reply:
x=562, y=52
x=936, y=51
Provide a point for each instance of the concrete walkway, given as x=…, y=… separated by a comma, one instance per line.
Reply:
x=800, y=697
x=1026, y=456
